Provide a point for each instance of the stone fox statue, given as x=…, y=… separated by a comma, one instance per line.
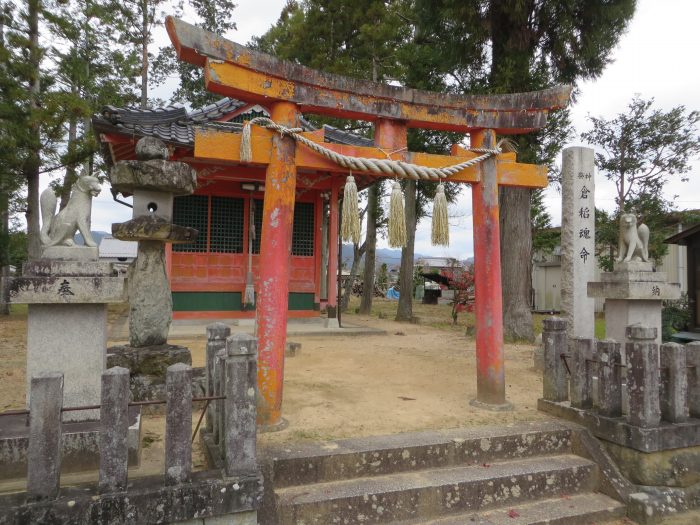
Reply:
x=59, y=229
x=634, y=240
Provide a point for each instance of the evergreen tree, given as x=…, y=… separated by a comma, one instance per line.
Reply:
x=502, y=46
x=214, y=16
x=356, y=39
x=641, y=148
x=136, y=22
x=92, y=70
x=30, y=118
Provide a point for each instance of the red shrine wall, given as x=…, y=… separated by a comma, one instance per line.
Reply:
x=208, y=277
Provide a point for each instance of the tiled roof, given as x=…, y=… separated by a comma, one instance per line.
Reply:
x=172, y=124
x=175, y=125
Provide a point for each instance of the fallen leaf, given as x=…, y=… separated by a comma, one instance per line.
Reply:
x=404, y=398
x=513, y=514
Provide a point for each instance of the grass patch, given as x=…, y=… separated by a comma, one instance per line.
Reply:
x=434, y=315
x=19, y=309
x=440, y=316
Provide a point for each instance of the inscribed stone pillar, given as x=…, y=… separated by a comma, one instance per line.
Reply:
x=578, y=241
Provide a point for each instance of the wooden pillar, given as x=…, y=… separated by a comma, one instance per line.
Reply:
x=488, y=308
x=275, y=248
x=333, y=245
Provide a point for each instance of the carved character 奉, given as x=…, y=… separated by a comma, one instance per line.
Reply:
x=634, y=240
x=59, y=229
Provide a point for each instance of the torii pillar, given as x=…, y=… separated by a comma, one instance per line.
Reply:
x=488, y=309
x=275, y=253
x=288, y=89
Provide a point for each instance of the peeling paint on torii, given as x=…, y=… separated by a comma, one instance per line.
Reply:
x=288, y=90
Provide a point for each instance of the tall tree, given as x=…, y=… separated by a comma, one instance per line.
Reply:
x=136, y=23
x=92, y=70
x=505, y=46
x=33, y=109
x=640, y=149
x=213, y=15
x=357, y=39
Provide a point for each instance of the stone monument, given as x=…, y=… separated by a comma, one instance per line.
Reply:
x=154, y=181
x=67, y=291
x=633, y=291
x=578, y=240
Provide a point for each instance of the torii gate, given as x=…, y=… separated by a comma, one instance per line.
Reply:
x=289, y=90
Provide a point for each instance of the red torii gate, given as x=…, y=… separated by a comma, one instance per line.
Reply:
x=289, y=90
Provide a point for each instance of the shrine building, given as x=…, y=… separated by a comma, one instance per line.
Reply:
x=208, y=277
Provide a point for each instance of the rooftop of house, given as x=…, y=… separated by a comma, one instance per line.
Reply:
x=114, y=248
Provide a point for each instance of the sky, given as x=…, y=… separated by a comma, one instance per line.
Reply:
x=656, y=58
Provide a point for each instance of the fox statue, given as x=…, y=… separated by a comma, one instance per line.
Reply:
x=634, y=240
x=59, y=229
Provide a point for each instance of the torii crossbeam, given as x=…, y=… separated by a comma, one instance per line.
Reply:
x=289, y=90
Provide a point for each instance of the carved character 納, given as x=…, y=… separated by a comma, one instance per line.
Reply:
x=634, y=240
x=59, y=229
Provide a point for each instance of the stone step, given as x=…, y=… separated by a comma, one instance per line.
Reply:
x=298, y=464
x=580, y=509
x=435, y=492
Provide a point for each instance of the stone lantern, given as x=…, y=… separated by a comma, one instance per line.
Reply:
x=154, y=181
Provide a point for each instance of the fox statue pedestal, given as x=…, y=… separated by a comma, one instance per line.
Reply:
x=633, y=294
x=633, y=291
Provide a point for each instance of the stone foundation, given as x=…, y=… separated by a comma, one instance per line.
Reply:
x=80, y=445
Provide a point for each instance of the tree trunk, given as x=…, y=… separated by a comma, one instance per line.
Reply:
x=4, y=244
x=32, y=163
x=512, y=47
x=404, y=312
x=144, y=55
x=347, y=287
x=71, y=172
x=4, y=209
x=516, y=275
x=371, y=251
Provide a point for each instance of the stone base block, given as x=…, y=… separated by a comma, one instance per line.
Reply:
x=54, y=267
x=666, y=436
x=633, y=266
x=678, y=467
x=74, y=253
x=620, y=313
x=331, y=322
x=80, y=445
x=71, y=339
x=240, y=518
x=148, y=366
x=67, y=290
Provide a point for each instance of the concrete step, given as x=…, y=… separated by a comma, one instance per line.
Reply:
x=435, y=492
x=579, y=509
x=297, y=464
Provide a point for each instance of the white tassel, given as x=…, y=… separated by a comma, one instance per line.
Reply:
x=440, y=227
x=397, y=218
x=350, y=227
x=246, y=148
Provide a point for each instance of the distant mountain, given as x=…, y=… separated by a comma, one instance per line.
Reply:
x=97, y=235
x=384, y=255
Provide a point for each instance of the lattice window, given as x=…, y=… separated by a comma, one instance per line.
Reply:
x=226, y=225
x=257, y=220
x=303, y=232
x=248, y=116
x=192, y=211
